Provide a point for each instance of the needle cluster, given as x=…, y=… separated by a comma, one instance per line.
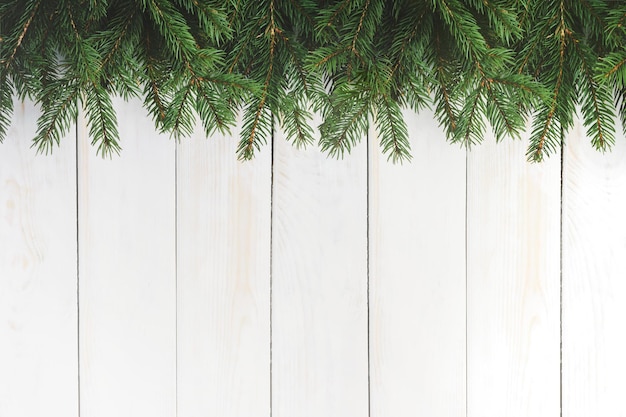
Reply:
x=480, y=64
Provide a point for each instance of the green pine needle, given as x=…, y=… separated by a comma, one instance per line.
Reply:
x=497, y=64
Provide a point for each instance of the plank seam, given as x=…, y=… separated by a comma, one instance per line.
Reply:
x=271, y=271
x=76, y=161
x=561, y=280
x=176, y=143
x=467, y=150
x=367, y=256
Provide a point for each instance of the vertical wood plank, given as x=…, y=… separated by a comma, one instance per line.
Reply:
x=38, y=324
x=417, y=284
x=594, y=271
x=319, y=277
x=513, y=226
x=224, y=222
x=127, y=272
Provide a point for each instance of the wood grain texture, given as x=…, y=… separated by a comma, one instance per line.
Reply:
x=319, y=283
x=127, y=272
x=417, y=277
x=513, y=244
x=594, y=284
x=38, y=327
x=224, y=221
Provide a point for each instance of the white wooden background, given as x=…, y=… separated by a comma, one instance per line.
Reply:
x=175, y=281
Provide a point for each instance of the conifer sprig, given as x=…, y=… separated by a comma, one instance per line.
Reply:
x=479, y=64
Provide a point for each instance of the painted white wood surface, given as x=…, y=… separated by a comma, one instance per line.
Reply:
x=513, y=252
x=38, y=328
x=224, y=221
x=127, y=272
x=417, y=277
x=128, y=265
x=594, y=278
x=319, y=283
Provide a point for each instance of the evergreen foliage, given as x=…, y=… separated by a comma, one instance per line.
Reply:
x=479, y=63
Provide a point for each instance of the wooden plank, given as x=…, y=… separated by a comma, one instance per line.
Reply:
x=417, y=270
x=513, y=246
x=319, y=283
x=224, y=221
x=38, y=324
x=594, y=288
x=127, y=272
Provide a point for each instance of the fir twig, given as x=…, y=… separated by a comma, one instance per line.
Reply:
x=478, y=62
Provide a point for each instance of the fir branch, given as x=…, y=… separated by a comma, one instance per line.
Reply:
x=212, y=21
x=611, y=65
x=325, y=59
x=463, y=27
x=172, y=26
x=616, y=25
x=242, y=47
x=359, y=27
x=250, y=140
x=416, y=94
x=302, y=12
x=88, y=59
x=98, y=8
x=590, y=13
x=494, y=61
x=500, y=117
x=393, y=131
x=59, y=111
x=471, y=127
x=232, y=18
x=503, y=19
x=102, y=121
x=539, y=137
x=620, y=101
x=445, y=109
x=256, y=119
x=334, y=14
x=214, y=114
x=6, y=106
x=31, y=15
x=296, y=62
x=535, y=45
x=119, y=37
x=154, y=99
x=233, y=81
x=296, y=122
x=345, y=127
x=596, y=102
x=406, y=40
x=179, y=117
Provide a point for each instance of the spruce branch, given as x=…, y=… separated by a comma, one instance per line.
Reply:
x=393, y=131
x=153, y=91
x=172, y=26
x=347, y=124
x=480, y=62
x=545, y=123
x=503, y=118
x=179, y=115
x=471, y=126
x=253, y=131
x=6, y=105
x=446, y=106
x=296, y=122
x=29, y=14
x=101, y=120
x=59, y=112
x=463, y=27
x=120, y=32
x=597, y=103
